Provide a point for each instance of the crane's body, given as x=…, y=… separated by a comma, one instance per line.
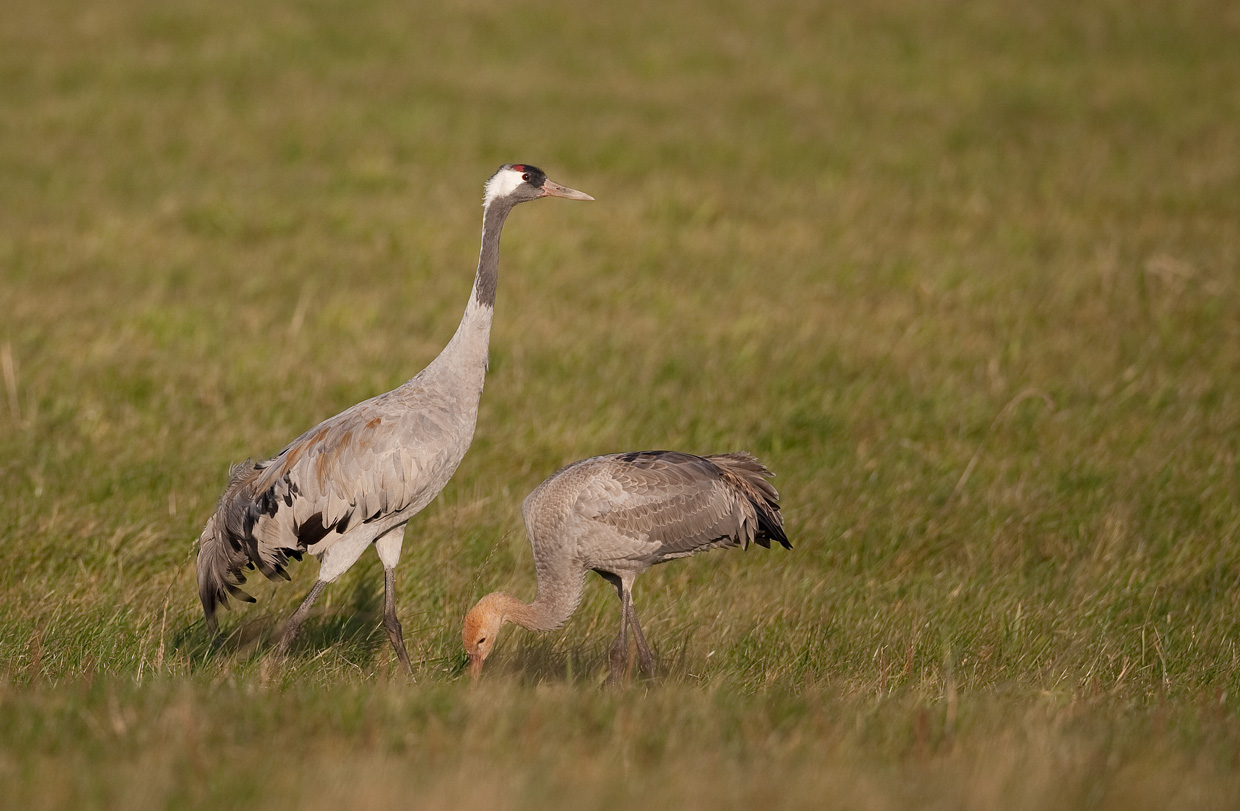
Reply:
x=356, y=479
x=618, y=515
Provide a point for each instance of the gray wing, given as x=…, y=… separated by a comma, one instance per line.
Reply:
x=382, y=457
x=678, y=502
x=377, y=458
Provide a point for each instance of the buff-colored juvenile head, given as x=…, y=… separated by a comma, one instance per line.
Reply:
x=481, y=629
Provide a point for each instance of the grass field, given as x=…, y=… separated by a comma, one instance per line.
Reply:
x=965, y=275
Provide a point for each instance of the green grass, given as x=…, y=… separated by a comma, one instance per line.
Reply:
x=966, y=276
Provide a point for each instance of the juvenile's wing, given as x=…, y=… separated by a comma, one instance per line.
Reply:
x=676, y=502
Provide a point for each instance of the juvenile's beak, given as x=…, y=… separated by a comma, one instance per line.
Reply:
x=552, y=189
x=475, y=666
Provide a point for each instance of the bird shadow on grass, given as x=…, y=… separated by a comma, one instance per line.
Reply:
x=547, y=662
x=542, y=662
x=352, y=632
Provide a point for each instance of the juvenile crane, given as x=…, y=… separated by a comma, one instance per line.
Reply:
x=618, y=515
x=356, y=479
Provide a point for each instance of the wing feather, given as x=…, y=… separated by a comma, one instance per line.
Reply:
x=677, y=502
x=350, y=469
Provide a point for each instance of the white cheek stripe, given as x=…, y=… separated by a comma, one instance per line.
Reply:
x=503, y=183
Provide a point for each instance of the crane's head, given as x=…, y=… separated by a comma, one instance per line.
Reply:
x=518, y=182
x=481, y=628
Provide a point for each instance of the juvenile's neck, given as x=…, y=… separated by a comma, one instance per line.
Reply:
x=546, y=613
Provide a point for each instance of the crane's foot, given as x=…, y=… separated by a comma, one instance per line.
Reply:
x=618, y=661
x=291, y=629
x=646, y=663
x=396, y=635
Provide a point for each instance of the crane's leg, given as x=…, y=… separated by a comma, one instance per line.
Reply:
x=618, y=656
x=391, y=622
x=644, y=658
x=299, y=616
x=388, y=547
x=333, y=562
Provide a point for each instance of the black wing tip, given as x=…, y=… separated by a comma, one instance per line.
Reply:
x=238, y=593
x=771, y=522
x=771, y=528
x=752, y=478
x=274, y=569
x=213, y=599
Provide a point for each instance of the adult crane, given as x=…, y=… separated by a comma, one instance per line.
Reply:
x=618, y=515
x=356, y=479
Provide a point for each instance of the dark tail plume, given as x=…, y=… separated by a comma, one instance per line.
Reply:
x=221, y=549
x=750, y=476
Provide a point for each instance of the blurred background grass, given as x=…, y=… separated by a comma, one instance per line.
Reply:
x=963, y=274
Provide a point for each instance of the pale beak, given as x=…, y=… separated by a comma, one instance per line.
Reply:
x=552, y=189
x=475, y=666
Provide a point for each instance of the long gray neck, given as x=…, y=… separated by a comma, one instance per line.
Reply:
x=487, y=279
x=466, y=354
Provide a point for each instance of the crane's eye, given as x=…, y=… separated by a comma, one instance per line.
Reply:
x=526, y=177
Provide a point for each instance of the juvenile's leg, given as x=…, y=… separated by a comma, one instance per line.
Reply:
x=645, y=659
x=618, y=656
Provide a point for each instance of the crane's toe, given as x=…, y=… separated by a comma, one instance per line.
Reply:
x=645, y=661
x=396, y=635
x=618, y=660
